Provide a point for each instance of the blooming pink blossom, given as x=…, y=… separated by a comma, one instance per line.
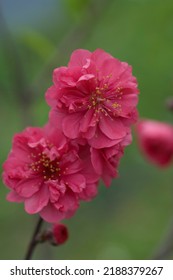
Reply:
x=44, y=170
x=94, y=98
x=156, y=141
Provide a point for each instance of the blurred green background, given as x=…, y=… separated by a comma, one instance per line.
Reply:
x=130, y=219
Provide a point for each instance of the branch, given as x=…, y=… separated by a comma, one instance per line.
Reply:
x=34, y=240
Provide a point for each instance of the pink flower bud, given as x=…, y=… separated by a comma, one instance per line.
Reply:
x=156, y=141
x=59, y=234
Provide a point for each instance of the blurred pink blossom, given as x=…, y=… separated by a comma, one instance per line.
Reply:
x=156, y=141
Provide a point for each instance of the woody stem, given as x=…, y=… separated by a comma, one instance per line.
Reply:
x=33, y=241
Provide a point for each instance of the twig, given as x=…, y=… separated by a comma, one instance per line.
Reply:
x=34, y=240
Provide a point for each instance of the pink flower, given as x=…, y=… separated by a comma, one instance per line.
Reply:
x=45, y=171
x=156, y=141
x=96, y=95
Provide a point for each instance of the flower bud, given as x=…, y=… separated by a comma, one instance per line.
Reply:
x=156, y=141
x=59, y=234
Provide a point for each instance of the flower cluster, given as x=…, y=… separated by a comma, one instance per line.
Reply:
x=93, y=105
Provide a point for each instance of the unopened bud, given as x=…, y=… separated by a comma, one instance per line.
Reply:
x=59, y=234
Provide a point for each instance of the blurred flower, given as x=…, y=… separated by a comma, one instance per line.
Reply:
x=94, y=98
x=45, y=171
x=156, y=141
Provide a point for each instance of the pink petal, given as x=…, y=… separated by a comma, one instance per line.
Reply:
x=51, y=215
x=67, y=202
x=110, y=69
x=61, y=75
x=56, y=189
x=89, y=172
x=79, y=57
x=89, y=192
x=36, y=202
x=112, y=128
x=14, y=197
x=76, y=182
x=27, y=187
x=100, y=140
x=51, y=96
x=127, y=103
x=99, y=56
x=96, y=157
x=86, y=83
x=74, y=167
x=90, y=132
x=107, y=179
x=71, y=125
x=88, y=120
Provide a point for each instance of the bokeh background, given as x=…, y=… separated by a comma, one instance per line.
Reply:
x=130, y=219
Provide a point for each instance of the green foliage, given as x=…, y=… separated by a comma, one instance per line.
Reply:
x=77, y=8
x=37, y=43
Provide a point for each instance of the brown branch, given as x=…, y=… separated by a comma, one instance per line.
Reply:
x=34, y=240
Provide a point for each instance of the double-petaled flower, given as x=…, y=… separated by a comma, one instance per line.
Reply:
x=94, y=98
x=46, y=172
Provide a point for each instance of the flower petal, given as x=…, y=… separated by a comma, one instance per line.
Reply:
x=38, y=201
x=96, y=157
x=14, y=197
x=51, y=214
x=27, y=187
x=89, y=192
x=76, y=182
x=79, y=57
x=100, y=140
x=67, y=202
x=71, y=125
x=113, y=129
x=88, y=120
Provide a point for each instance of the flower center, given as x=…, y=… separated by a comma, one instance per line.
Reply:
x=50, y=170
x=104, y=100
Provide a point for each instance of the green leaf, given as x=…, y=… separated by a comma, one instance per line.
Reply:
x=77, y=8
x=38, y=43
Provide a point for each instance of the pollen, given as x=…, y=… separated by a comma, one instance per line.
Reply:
x=116, y=105
x=42, y=165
